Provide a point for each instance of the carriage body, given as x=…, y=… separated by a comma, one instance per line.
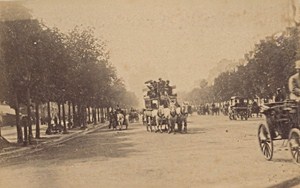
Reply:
x=133, y=116
x=282, y=122
x=281, y=117
x=118, y=118
x=238, y=108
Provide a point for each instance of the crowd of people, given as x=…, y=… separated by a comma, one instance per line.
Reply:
x=159, y=88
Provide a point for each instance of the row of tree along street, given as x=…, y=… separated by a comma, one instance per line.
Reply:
x=267, y=68
x=39, y=65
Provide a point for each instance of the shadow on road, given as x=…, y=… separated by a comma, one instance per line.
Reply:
x=99, y=145
x=282, y=160
x=196, y=130
x=288, y=183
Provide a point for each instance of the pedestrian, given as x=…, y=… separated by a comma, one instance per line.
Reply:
x=55, y=121
x=168, y=88
x=279, y=95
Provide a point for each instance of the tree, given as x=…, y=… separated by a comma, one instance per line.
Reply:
x=10, y=11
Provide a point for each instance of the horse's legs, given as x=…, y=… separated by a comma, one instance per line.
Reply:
x=160, y=126
x=179, y=124
x=147, y=123
x=150, y=124
x=121, y=124
x=173, y=125
x=158, y=120
x=185, y=124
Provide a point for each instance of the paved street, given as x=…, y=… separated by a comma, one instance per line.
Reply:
x=216, y=152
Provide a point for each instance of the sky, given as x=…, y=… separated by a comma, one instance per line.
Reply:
x=178, y=40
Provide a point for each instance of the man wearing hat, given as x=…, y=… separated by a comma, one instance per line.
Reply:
x=294, y=83
x=279, y=95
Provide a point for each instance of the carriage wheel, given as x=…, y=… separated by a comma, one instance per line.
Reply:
x=265, y=141
x=294, y=144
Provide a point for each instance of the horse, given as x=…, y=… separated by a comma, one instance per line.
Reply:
x=215, y=110
x=160, y=119
x=120, y=119
x=171, y=115
x=182, y=118
x=150, y=118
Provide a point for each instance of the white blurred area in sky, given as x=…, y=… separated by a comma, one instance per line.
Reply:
x=177, y=40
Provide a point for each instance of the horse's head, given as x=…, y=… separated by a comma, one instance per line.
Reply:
x=172, y=110
x=178, y=110
x=160, y=111
x=184, y=109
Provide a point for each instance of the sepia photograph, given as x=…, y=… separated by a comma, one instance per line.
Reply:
x=149, y=93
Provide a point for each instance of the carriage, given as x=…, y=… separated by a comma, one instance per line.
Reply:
x=133, y=116
x=162, y=108
x=282, y=122
x=118, y=118
x=152, y=107
x=238, y=108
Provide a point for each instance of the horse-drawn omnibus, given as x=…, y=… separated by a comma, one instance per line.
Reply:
x=162, y=108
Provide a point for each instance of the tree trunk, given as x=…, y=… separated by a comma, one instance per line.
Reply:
x=79, y=114
x=98, y=114
x=49, y=115
x=84, y=114
x=59, y=114
x=37, y=121
x=18, y=126
x=29, y=117
x=89, y=114
x=94, y=115
x=75, y=124
x=69, y=112
x=102, y=115
x=64, y=118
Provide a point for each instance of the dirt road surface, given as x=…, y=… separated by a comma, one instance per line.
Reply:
x=216, y=152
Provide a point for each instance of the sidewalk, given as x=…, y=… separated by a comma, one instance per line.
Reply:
x=10, y=134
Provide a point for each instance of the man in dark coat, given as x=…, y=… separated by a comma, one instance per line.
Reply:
x=279, y=96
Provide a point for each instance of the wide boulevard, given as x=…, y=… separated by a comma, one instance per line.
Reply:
x=216, y=152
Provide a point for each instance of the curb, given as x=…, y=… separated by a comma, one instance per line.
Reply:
x=62, y=139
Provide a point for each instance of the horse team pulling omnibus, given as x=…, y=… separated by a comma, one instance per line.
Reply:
x=162, y=112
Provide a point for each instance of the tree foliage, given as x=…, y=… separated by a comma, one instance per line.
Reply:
x=267, y=68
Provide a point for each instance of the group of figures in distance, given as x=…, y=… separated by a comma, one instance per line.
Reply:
x=163, y=109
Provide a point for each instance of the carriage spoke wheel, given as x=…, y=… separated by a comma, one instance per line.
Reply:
x=265, y=141
x=294, y=145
